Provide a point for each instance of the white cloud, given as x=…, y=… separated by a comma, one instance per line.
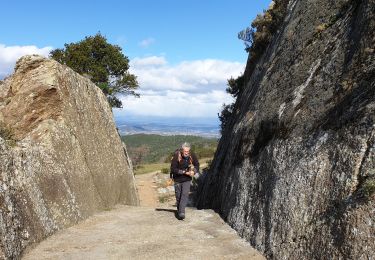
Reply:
x=176, y=104
x=147, y=42
x=10, y=54
x=188, y=89
x=148, y=61
x=197, y=76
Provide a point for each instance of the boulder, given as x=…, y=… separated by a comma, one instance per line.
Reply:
x=61, y=157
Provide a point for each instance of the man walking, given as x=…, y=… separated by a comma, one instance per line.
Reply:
x=183, y=167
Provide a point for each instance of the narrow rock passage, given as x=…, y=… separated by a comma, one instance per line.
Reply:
x=146, y=233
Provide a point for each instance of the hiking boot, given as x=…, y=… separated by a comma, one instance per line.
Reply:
x=181, y=216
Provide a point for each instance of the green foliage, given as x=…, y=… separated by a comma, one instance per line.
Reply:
x=235, y=86
x=7, y=134
x=225, y=115
x=152, y=167
x=369, y=187
x=201, y=150
x=209, y=163
x=204, y=150
x=259, y=34
x=165, y=170
x=103, y=63
x=161, y=148
x=164, y=198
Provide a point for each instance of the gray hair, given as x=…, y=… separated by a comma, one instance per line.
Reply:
x=185, y=145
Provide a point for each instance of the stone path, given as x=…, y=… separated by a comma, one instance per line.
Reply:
x=146, y=233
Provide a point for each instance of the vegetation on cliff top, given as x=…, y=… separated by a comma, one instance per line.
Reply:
x=256, y=38
x=103, y=63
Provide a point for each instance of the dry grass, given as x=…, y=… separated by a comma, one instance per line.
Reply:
x=153, y=167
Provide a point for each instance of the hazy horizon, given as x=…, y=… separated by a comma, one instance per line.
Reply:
x=206, y=127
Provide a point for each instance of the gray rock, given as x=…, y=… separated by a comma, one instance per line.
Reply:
x=170, y=189
x=294, y=171
x=162, y=190
x=61, y=159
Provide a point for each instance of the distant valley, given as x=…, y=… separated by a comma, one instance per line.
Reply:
x=168, y=126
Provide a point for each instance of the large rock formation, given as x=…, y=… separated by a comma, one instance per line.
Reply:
x=294, y=171
x=61, y=158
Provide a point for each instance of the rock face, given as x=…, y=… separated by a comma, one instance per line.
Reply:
x=61, y=158
x=294, y=171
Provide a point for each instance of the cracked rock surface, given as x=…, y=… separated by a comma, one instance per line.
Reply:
x=294, y=170
x=61, y=159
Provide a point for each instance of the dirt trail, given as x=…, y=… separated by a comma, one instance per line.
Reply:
x=146, y=186
x=147, y=232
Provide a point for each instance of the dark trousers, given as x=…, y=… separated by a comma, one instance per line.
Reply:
x=182, y=190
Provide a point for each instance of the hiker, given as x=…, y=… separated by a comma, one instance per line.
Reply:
x=184, y=166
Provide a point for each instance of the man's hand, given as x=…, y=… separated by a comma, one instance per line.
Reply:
x=189, y=173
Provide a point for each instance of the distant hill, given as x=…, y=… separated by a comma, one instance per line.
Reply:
x=151, y=148
x=206, y=127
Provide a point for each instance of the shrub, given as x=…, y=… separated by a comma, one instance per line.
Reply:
x=5, y=132
x=259, y=34
x=209, y=163
x=103, y=63
x=225, y=115
x=235, y=86
x=256, y=38
x=369, y=187
x=164, y=198
x=165, y=170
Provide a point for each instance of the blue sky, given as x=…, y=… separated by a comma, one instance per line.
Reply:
x=178, y=49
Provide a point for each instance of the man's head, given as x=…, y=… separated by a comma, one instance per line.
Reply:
x=185, y=149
